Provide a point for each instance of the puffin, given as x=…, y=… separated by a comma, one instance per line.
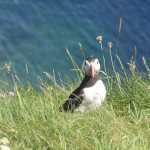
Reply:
x=91, y=92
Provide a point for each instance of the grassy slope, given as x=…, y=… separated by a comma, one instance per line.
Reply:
x=32, y=121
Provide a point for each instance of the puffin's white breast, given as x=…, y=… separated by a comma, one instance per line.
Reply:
x=93, y=96
x=96, y=93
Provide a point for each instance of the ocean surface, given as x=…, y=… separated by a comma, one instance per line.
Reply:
x=35, y=33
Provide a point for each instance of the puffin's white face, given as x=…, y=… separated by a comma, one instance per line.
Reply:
x=92, y=67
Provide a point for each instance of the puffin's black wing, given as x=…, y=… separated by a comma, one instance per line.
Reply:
x=76, y=98
x=71, y=104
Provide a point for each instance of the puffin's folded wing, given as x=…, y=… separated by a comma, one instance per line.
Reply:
x=74, y=100
x=71, y=104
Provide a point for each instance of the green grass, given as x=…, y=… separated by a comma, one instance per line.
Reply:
x=31, y=120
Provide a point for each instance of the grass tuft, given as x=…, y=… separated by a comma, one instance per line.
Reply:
x=31, y=120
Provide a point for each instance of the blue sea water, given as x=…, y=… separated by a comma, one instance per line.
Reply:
x=36, y=32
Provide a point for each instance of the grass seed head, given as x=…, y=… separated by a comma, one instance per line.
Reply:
x=99, y=39
x=110, y=45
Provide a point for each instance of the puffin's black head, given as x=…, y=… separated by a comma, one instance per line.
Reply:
x=91, y=66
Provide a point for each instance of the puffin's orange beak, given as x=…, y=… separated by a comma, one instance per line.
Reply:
x=92, y=71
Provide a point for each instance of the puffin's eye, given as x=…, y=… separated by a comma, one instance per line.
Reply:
x=86, y=63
